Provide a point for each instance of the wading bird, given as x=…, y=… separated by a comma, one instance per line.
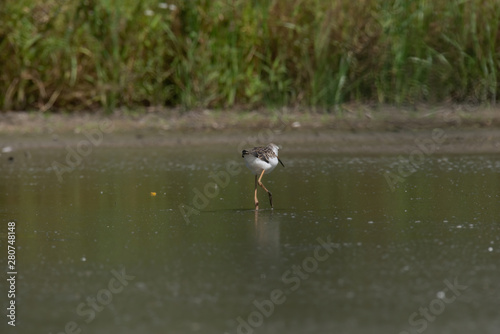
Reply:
x=260, y=160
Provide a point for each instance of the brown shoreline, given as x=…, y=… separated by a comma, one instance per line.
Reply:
x=364, y=130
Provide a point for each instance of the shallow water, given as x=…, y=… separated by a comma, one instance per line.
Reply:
x=343, y=251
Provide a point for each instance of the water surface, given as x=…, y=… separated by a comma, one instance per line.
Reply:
x=342, y=251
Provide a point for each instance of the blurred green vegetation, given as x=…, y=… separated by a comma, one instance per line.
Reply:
x=93, y=54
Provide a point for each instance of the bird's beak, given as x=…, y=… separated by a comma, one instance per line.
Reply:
x=281, y=162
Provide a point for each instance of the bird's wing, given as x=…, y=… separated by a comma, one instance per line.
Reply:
x=262, y=153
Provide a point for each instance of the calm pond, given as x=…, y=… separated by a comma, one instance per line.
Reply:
x=165, y=240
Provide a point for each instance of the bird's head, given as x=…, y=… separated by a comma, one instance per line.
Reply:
x=274, y=147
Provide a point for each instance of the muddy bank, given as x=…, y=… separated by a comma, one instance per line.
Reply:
x=357, y=130
x=346, y=117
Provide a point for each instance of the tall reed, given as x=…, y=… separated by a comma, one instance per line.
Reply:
x=74, y=55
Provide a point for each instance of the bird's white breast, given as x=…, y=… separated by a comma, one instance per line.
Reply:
x=257, y=165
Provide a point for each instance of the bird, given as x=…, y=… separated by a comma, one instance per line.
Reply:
x=260, y=160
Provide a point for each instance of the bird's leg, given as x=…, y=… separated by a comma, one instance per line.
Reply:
x=262, y=185
x=255, y=197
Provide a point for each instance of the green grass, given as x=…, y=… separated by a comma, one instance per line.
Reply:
x=80, y=55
